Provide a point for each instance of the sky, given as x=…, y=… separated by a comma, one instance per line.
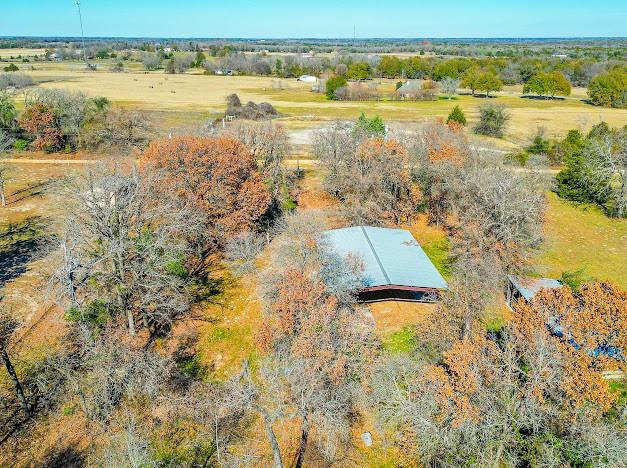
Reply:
x=317, y=18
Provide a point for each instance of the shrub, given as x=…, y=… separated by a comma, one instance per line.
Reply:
x=96, y=314
x=492, y=120
x=370, y=127
x=11, y=68
x=520, y=158
x=8, y=114
x=609, y=89
x=333, y=84
x=15, y=80
x=20, y=144
x=563, y=149
x=457, y=115
x=539, y=145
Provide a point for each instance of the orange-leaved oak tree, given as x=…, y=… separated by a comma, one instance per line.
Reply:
x=221, y=176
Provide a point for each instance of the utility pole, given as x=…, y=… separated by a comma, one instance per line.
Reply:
x=80, y=19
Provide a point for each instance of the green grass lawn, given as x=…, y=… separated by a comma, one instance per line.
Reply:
x=583, y=237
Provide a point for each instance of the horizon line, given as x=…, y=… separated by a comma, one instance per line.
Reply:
x=266, y=38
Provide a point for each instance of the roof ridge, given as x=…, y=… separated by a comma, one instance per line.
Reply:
x=376, y=256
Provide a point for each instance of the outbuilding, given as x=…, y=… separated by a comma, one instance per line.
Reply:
x=525, y=287
x=394, y=265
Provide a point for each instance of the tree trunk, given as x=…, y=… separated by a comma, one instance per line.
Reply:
x=19, y=391
x=467, y=326
x=274, y=444
x=304, y=435
x=131, y=321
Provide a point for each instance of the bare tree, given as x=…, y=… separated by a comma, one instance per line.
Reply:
x=241, y=251
x=6, y=140
x=129, y=447
x=449, y=86
x=606, y=168
x=120, y=129
x=268, y=144
x=369, y=175
x=3, y=180
x=103, y=372
x=125, y=244
x=490, y=210
x=151, y=60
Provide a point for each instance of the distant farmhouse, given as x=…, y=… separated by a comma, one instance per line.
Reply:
x=411, y=89
x=395, y=266
x=417, y=90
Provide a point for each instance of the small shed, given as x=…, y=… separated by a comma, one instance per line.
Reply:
x=395, y=266
x=525, y=287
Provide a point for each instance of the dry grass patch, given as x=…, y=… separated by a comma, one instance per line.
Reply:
x=393, y=316
x=6, y=53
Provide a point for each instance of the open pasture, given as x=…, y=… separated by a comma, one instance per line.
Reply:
x=192, y=96
x=7, y=53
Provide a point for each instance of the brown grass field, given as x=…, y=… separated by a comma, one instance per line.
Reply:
x=7, y=53
x=193, y=97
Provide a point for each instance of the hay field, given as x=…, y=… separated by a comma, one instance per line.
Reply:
x=196, y=93
x=6, y=53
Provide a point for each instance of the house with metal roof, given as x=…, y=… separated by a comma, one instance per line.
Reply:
x=410, y=89
x=394, y=264
x=525, y=287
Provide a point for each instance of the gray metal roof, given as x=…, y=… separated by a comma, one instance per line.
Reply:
x=390, y=256
x=529, y=286
x=410, y=86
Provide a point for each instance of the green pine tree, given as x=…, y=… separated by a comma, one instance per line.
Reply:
x=457, y=115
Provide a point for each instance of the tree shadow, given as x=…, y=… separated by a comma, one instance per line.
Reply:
x=542, y=98
x=65, y=457
x=21, y=243
x=34, y=190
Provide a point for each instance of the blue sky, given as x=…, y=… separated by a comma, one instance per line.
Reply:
x=315, y=18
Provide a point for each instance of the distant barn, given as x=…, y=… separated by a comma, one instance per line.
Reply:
x=395, y=266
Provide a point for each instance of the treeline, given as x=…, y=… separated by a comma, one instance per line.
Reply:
x=595, y=49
